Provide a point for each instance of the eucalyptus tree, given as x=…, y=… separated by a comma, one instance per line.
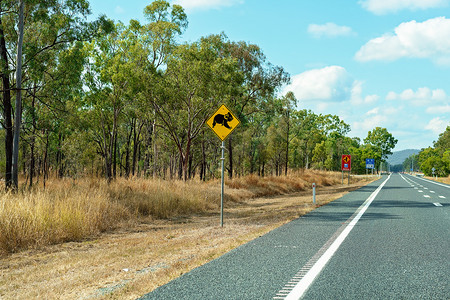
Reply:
x=49, y=26
x=383, y=140
x=196, y=80
x=437, y=157
x=165, y=23
x=261, y=81
x=113, y=77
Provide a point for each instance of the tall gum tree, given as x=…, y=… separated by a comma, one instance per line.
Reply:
x=196, y=80
x=59, y=24
x=261, y=80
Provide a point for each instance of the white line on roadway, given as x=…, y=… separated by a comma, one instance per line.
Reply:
x=430, y=181
x=311, y=275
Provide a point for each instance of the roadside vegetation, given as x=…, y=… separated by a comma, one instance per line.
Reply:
x=436, y=157
x=70, y=210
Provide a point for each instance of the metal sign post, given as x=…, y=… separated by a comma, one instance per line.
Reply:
x=222, y=186
x=314, y=193
x=222, y=123
x=346, y=165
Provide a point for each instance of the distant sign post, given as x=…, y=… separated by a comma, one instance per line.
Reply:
x=346, y=164
x=222, y=123
x=370, y=164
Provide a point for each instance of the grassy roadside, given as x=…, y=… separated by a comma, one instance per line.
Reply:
x=145, y=251
x=445, y=180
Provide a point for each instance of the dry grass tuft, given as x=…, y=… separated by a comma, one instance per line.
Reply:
x=37, y=218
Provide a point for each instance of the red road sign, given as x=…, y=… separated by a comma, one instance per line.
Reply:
x=346, y=162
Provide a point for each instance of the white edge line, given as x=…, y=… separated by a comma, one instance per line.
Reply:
x=309, y=277
x=431, y=181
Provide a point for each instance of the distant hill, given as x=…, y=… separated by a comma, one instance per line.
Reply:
x=398, y=157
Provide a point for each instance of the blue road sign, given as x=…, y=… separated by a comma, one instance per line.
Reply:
x=370, y=163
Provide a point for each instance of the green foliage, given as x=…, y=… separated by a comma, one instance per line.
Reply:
x=437, y=157
x=382, y=140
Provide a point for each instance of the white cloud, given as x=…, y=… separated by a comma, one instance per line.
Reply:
x=381, y=7
x=357, y=98
x=329, y=30
x=119, y=10
x=437, y=125
x=374, y=111
x=206, y=4
x=428, y=39
x=421, y=97
x=437, y=110
x=370, y=123
x=370, y=99
x=332, y=83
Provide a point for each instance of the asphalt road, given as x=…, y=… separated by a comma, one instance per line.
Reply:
x=387, y=240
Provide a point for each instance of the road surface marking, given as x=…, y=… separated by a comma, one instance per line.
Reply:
x=430, y=181
x=437, y=204
x=324, y=255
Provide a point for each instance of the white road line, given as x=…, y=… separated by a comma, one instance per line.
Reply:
x=311, y=275
x=437, y=204
x=430, y=181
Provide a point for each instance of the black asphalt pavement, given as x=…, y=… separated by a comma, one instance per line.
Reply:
x=399, y=249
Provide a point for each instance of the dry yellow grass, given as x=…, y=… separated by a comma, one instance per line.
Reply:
x=71, y=211
x=440, y=179
x=144, y=252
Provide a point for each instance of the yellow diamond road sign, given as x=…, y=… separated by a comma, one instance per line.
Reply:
x=223, y=122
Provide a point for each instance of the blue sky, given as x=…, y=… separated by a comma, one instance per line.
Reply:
x=372, y=62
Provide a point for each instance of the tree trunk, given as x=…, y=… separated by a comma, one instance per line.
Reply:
x=136, y=144
x=7, y=108
x=60, y=156
x=44, y=175
x=180, y=166
x=155, y=152
x=115, y=157
x=148, y=146
x=287, y=145
x=185, y=158
x=203, y=167
x=230, y=159
x=127, y=154
x=18, y=117
x=33, y=137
